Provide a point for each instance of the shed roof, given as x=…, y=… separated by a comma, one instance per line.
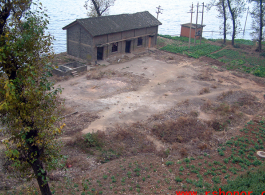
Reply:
x=192, y=25
x=116, y=23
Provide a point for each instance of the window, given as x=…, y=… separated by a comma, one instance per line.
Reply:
x=114, y=47
x=140, y=41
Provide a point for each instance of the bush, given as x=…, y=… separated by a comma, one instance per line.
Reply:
x=94, y=139
x=169, y=163
x=251, y=181
x=178, y=179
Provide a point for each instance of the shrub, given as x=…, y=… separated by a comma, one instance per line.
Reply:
x=169, y=163
x=94, y=139
x=251, y=181
x=178, y=179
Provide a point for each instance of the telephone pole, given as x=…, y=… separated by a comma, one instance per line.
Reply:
x=196, y=23
x=158, y=11
x=190, y=22
x=202, y=23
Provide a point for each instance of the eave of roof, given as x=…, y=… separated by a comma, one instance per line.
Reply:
x=193, y=26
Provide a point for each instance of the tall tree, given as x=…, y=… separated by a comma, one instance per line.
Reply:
x=97, y=8
x=221, y=6
x=236, y=9
x=28, y=102
x=258, y=21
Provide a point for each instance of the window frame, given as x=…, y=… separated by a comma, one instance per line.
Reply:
x=140, y=41
x=114, y=47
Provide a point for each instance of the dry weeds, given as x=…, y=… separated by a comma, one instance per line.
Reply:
x=182, y=130
x=204, y=90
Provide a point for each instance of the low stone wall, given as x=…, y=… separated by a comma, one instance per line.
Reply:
x=67, y=69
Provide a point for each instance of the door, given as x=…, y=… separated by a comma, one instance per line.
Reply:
x=128, y=47
x=100, y=53
x=149, y=44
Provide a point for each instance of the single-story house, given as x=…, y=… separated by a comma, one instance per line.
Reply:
x=101, y=37
x=185, y=30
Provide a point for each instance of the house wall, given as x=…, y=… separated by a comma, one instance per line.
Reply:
x=81, y=44
x=185, y=31
x=132, y=36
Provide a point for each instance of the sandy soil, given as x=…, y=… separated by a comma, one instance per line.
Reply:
x=170, y=82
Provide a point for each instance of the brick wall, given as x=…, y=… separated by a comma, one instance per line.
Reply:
x=81, y=44
x=185, y=31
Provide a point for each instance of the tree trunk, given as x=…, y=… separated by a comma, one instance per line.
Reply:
x=41, y=177
x=34, y=153
x=96, y=7
x=261, y=26
x=234, y=22
x=224, y=12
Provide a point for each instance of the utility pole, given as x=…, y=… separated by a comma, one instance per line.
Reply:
x=196, y=24
x=158, y=11
x=202, y=23
x=190, y=22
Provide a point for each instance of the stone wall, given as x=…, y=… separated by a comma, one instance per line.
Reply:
x=67, y=69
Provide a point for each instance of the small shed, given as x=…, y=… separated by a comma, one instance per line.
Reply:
x=185, y=30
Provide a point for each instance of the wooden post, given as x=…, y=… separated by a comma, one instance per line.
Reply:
x=196, y=23
x=190, y=23
x=202, y=23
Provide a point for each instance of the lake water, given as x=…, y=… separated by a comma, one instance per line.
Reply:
x=63, y=12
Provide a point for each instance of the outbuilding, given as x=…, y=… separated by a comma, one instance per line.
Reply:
x=102, y=37
x=195, y=30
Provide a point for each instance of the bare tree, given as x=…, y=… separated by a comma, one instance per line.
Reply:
x=258, y=21
x=97, y=8
x=236, y=8
x=221, y=6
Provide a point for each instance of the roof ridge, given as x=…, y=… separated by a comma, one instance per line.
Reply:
x=110, y=15
x=116, y=23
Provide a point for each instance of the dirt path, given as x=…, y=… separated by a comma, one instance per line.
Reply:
x=169, y=84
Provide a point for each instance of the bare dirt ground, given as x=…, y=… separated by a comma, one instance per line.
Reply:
x=135, y=90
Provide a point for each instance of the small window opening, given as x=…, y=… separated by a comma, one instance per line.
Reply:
x=140, y=41
x=115, y=47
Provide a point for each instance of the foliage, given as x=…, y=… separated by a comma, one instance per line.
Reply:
x=193, y=51
x=251, y=181
x=98, y=8
x=93, y=140
x=182, y=39
x=28, y=101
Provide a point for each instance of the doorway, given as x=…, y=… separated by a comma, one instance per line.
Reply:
x=149, y=43
x=128, y=47
x=100, y=53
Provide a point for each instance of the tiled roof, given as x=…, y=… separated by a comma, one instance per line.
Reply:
x=116, y=23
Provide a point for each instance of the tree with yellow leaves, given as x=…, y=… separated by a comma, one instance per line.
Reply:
x=28, y=101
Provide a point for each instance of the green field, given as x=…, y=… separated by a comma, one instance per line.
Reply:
x=235, y=58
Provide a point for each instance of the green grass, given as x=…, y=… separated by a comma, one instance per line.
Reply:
x=234, y=59
x=192, y=51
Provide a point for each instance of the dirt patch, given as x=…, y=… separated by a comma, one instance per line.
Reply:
x=211, y=61
x=77, y=122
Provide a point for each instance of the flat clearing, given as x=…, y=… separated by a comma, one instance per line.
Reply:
x=134, y=91
x=156, y=124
